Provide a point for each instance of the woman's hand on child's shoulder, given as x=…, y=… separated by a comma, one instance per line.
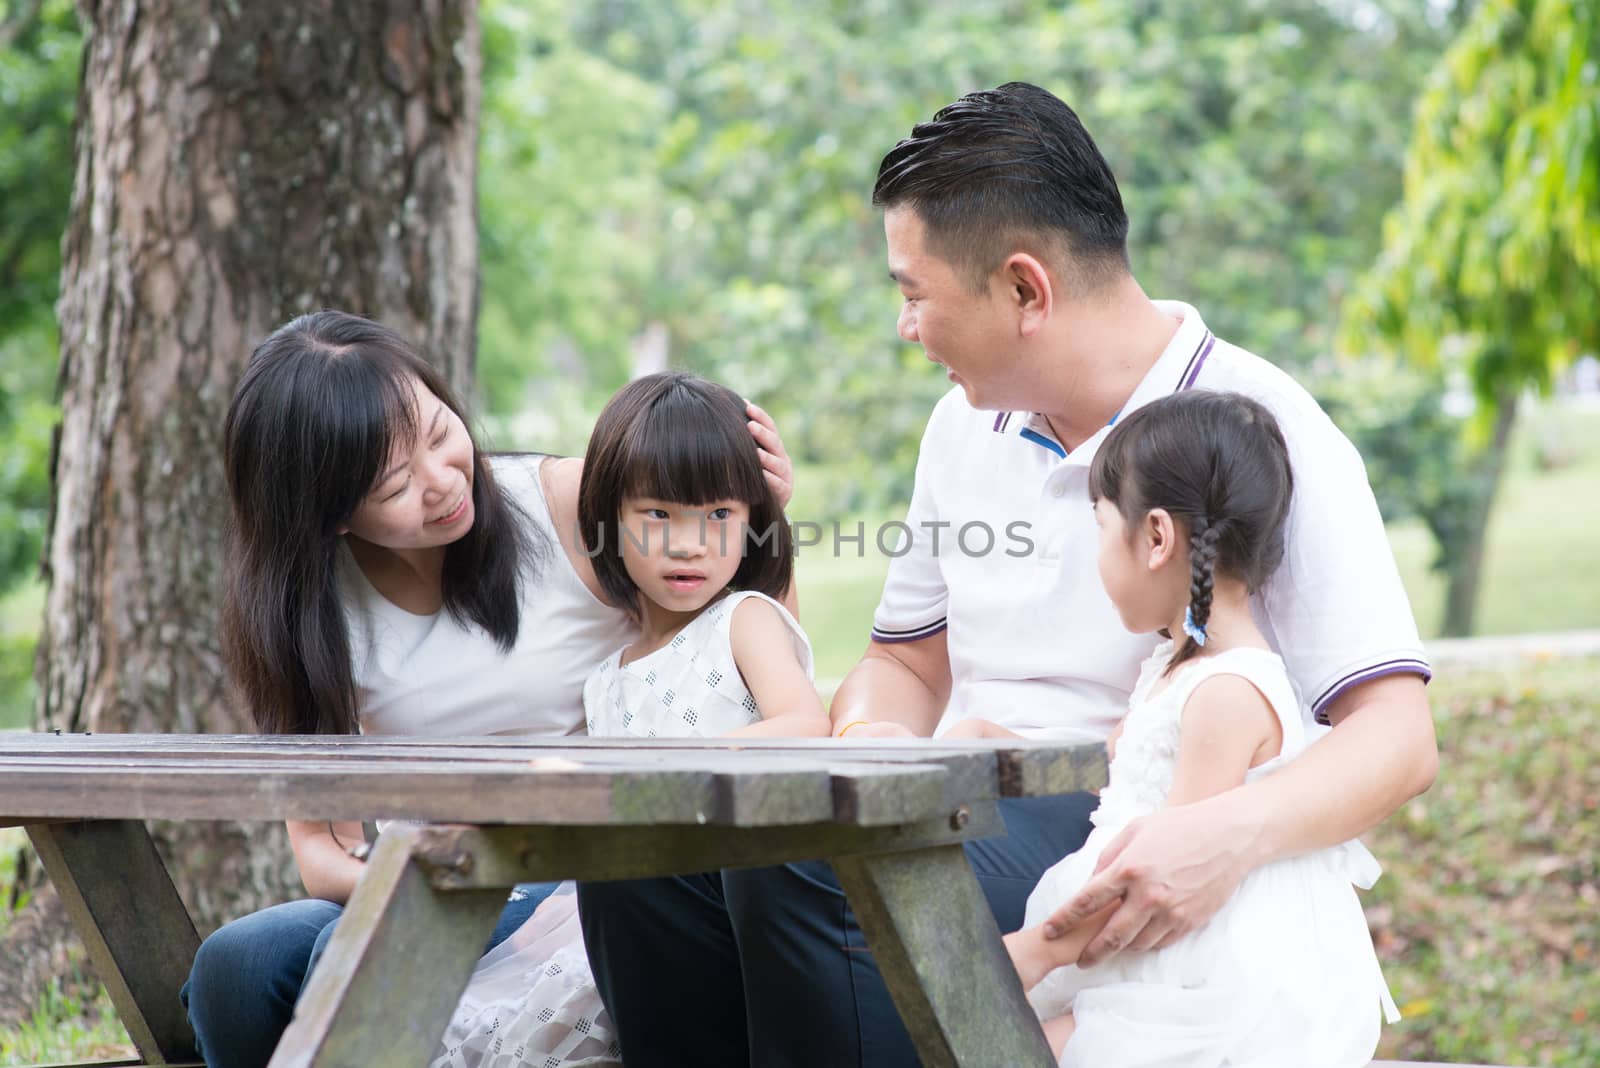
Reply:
x=775, y=463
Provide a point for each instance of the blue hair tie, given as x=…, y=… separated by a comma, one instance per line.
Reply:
x=1191, y=628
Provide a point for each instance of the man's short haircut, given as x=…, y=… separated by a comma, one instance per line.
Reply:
x=1006, y=169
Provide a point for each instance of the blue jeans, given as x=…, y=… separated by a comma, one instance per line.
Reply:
x=768, y=967
x=247, y=976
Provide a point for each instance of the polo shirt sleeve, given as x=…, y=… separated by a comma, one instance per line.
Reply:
x=1336, y=606
x=915, y=597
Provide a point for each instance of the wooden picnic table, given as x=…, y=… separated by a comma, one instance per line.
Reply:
x=889, y=816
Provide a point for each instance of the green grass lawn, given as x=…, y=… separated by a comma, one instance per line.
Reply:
x=1488, y=915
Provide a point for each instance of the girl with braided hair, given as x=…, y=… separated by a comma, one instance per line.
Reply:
x=1190, y=493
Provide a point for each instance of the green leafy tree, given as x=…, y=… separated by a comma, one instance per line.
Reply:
x=1492, y=261
x=39, y=48
x=705, y=167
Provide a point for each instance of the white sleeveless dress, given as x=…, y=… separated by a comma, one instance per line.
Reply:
x=1283, y=974
x=532, y=1002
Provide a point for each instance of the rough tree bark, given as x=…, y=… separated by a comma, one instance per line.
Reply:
x=236, y=164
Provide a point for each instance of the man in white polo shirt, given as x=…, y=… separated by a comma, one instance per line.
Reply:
x=1007, y=237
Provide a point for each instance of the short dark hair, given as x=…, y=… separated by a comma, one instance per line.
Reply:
x=320, y=405
x=676, y=437
x=1215, y=461
x=999, y=167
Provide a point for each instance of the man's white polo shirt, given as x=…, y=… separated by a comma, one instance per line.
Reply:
x=999, y=550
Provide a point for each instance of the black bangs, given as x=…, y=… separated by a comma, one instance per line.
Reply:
x=368, y=411
x=681, y=440
x=691, y=446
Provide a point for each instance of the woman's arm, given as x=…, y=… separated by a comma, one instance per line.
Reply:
x=326, y=869
x=763, y=651
x=775, y=465
x=779, y=473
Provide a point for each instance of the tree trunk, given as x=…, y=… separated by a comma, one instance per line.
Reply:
x=1464, y=566
x=236, y=165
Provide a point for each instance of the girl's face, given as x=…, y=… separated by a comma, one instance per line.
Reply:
x=423, y=496
x=1143, y=571
x=682, y=556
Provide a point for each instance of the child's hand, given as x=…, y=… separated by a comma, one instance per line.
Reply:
x=879, y=729
x=774, y=457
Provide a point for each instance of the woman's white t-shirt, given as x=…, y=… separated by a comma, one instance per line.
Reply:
x=437, y=675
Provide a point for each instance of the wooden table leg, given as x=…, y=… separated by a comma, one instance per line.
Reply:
x=394, y=969
x=936, y=943
x=133, y=923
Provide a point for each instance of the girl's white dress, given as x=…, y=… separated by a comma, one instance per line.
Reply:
x=531, y=1001
x=1284, y=974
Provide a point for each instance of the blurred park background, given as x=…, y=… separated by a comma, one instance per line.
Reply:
x=1397, y=200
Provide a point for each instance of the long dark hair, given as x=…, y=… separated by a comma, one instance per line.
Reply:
x=321, y=404
x=1218, y=464
x=676, y=437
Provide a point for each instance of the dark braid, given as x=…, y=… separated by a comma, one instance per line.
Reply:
x=1203, y=538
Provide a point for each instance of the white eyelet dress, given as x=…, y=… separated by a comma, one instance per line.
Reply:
x=1283, y=974
x=531, y=1001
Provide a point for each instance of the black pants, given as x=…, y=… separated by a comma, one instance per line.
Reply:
x=767, y=966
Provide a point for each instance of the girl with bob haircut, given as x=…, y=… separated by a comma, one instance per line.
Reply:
x=385, y=575
x=690, y=541
x=675, y=437
x=1190, y=493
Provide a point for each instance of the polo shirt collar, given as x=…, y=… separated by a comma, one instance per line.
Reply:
x=1174, y=371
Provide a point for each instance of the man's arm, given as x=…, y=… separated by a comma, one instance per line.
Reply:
x=899, y=683
x=1173, y=869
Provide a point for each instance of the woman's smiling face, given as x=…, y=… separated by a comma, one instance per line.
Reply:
x=422, y=498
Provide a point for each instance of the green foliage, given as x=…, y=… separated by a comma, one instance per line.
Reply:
x=1485, y=916
x=706, y=167
x=1416, y=452
x=38, y=83
x=67, y=1026
x=1495, y=250
x=38, y=87
x=1492, y=259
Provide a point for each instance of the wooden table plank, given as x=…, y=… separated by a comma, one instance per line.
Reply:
x=741, y=790
x=133, y=923
x=470, y=857
x=1020, y=768
x=888, y=813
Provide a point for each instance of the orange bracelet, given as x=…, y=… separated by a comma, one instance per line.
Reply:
x=852, y=723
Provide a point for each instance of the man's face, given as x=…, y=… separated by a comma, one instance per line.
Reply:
x=968, y=334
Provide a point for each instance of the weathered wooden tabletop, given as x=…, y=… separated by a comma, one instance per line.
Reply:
x=890, y=817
